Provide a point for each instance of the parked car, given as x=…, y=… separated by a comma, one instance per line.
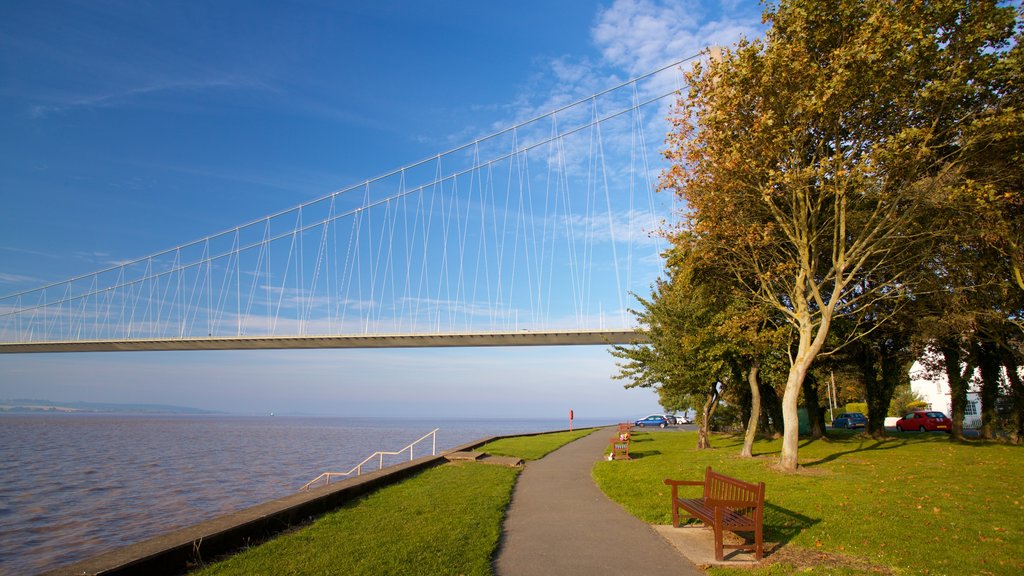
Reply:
x=669, y=419
x=850, y=420
x=652, y=420
x=925, y=421
x=672, y=419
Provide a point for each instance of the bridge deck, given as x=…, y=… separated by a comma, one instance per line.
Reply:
x=437, y=340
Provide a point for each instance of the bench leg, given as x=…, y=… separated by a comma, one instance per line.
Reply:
x=718, y=534
x=675, y=507
x=758, y=542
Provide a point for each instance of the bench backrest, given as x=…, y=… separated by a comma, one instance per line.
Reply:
x=735, y=493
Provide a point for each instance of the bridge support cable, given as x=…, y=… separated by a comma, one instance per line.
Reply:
x=537, y=227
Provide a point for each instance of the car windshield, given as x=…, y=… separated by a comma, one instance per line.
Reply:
x=936, y=415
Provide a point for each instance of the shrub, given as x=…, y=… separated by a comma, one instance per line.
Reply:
x=727, y=417
x=904, y=401
x=861, y=407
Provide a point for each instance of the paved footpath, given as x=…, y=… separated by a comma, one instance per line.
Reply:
x=559, y=522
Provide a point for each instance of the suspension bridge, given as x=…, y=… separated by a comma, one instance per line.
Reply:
x=536, y=234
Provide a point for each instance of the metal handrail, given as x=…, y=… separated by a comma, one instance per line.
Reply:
x=358, y=468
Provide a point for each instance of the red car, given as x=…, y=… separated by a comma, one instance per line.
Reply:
x=925, y=421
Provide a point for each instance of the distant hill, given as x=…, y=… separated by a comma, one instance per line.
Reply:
x=23, y=405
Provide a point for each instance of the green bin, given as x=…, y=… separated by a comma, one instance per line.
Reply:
x=804, y=421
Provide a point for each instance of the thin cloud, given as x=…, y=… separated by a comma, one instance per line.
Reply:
x=30, y=252
x=130, y=96
x=6, y=278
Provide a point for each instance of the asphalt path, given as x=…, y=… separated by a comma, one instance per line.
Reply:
x=559, y=522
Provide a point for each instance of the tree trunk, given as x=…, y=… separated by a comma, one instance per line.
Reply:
x=704, y=418
x=812, y=402
x=879, y=380
x=810, y=342
x=745, y=401
x=893, y=363
x=755, y=411
x=790, y=418
x=879, y=399
x=1016, y=393
x=771, y=410
x=956, y=375
x=986, y=356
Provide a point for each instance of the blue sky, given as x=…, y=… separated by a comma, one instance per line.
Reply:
x=129, y=127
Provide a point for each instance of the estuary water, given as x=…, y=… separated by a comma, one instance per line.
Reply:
x=74, y=485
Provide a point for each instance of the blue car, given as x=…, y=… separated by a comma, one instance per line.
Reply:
x=652, y=420
x=850, y=420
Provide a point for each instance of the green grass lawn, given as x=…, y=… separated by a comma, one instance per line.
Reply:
x=912, y=504
x=444, y=520
x=532, y=447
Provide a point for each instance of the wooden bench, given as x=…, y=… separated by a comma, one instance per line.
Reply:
x=727, y=504
x=620, y=444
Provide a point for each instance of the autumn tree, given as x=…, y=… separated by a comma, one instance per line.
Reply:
x=704, y=340
x=806, y=158
x=680, y=359
x=994, y=195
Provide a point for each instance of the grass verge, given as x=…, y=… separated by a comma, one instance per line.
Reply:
x=444, y=520
x=532, y=447
x=911, y=504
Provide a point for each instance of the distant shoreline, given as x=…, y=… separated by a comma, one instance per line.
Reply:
x=26, y=406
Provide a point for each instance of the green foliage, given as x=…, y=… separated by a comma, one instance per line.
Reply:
x=727, y=417
x=858, y=505
x=816, y=163
x=675, y=400
x=905, y=400
x=861, y=407
x=704, y=337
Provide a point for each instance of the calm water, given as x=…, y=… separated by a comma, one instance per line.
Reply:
x=75, y=485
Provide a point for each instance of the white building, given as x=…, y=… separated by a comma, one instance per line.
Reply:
x=933, y=388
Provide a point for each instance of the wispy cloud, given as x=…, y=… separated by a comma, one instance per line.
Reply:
x=132, y=95
x=18, y=279
x=28, y=251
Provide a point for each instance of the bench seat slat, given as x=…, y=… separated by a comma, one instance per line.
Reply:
x=706, y=513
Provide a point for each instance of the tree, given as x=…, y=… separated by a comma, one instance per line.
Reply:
x=681, y=358
x=805, y=158
x=995, y=174
x=703, y=342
